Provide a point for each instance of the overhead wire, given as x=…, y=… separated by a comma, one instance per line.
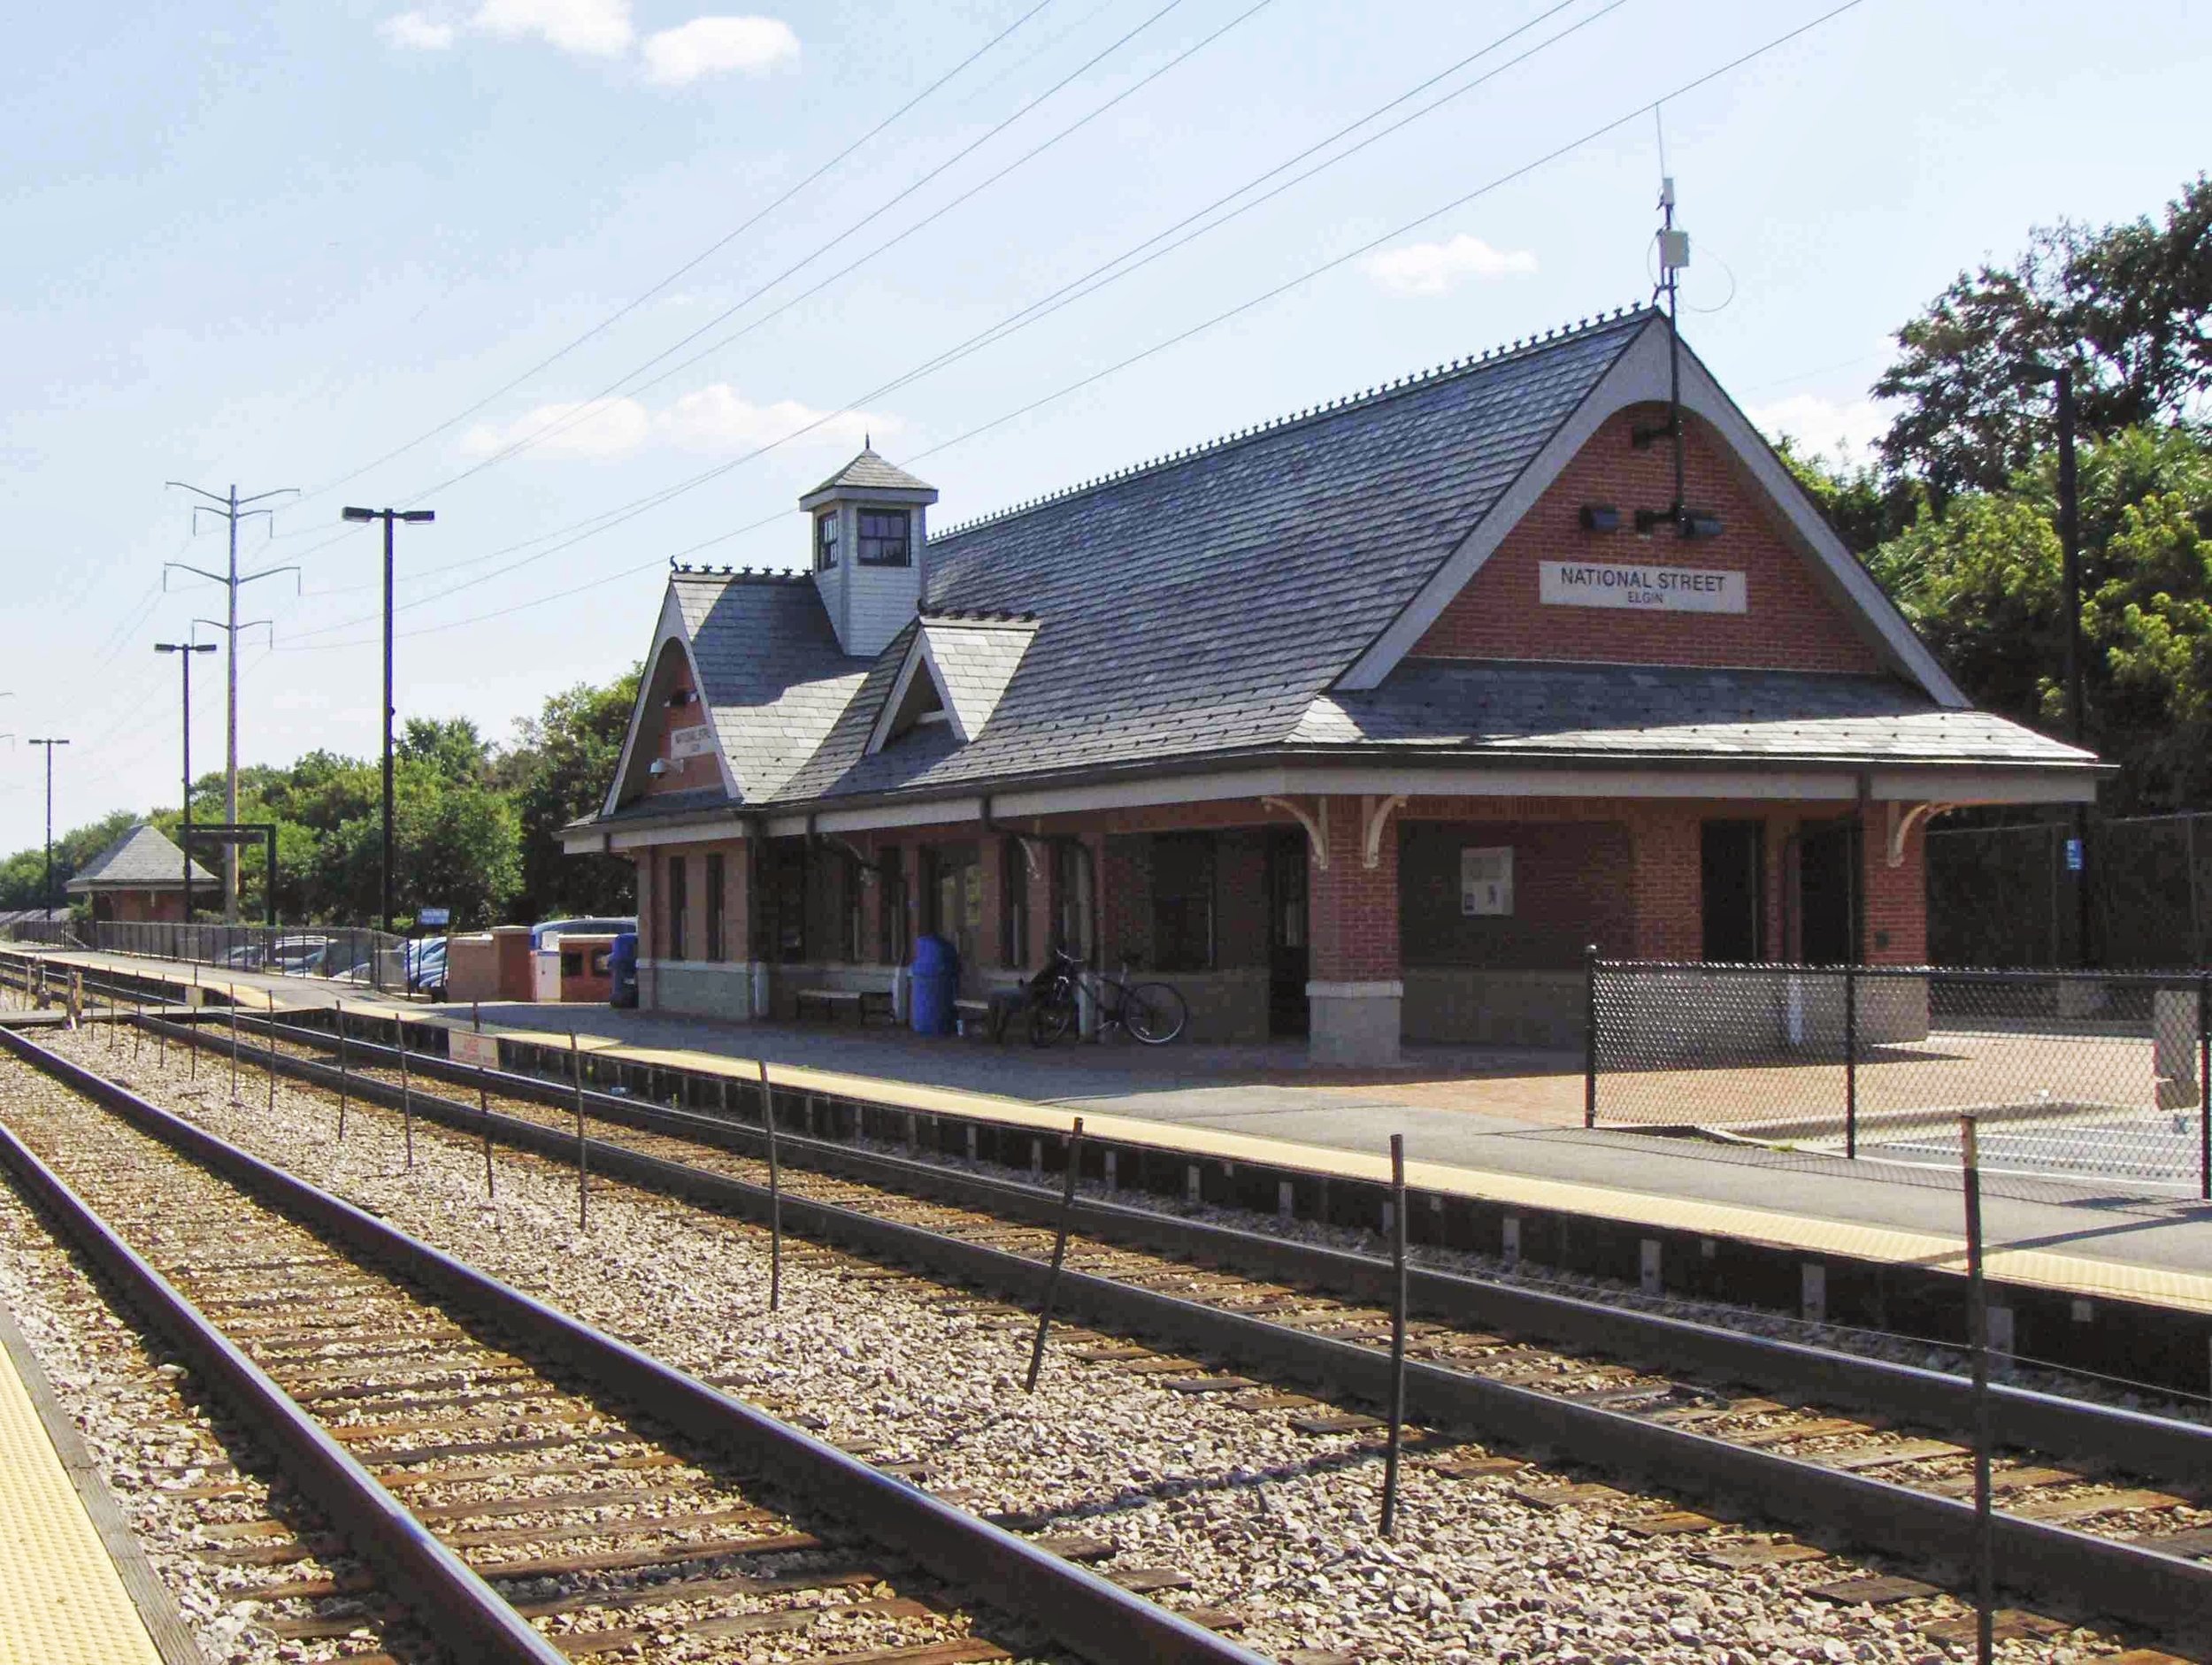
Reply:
x=1318, y=270
x=561, y=539
x=688, y=267
x=582, y=410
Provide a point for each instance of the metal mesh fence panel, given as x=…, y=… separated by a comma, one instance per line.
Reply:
x=2083, y=1076
x=2005, y=895
x=343, y=954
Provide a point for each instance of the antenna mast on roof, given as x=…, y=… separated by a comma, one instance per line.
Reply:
x=1674, y=254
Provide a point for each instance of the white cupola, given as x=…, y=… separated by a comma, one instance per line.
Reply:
x=869, y=525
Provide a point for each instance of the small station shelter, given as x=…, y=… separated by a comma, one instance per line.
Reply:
x=138, y=878
x=1357, y=725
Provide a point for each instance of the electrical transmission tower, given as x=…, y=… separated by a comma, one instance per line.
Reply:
x=233, y=509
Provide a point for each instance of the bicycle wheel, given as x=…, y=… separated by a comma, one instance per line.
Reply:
x=1154, y=1013
x=1049, y=1020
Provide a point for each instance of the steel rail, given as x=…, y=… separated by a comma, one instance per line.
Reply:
x=436, y=1584
x=2097, y=1575
x=2049, y=1423
x=1088, y=1614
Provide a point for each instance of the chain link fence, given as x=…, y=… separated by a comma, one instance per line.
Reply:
x=2009, y=895
x=2070, y=1074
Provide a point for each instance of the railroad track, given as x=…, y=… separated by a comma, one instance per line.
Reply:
x=513, y=1484
x=2101, y=1510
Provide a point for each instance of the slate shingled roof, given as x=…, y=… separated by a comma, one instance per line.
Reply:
x=869, y=473
x=771, y=672
x=977, y=658
x=1629, y=710
x=142, y=859
x=1204, y=607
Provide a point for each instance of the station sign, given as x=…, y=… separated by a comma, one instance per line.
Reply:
x=1659, y=589
x=695, y=742
x=428, y=917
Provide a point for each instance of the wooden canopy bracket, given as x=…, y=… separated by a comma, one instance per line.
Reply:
x=1902, y=819
x=1316, y=829
x=1374, y=812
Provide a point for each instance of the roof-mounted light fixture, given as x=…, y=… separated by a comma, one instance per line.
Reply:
x=1601, y=517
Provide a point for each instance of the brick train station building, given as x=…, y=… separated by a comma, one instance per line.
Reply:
x=1358, y=725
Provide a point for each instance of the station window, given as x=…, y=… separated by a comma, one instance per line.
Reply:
x=883, y=538
x=825, y=542
x=1183, y=902
x=714, y=904
x=678, y=906
x=1013, y=872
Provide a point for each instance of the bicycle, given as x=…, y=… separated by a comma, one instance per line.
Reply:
x=1150, y=1012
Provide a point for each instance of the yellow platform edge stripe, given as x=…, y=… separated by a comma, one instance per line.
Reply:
x=2067, y=1274
x=62, y=1601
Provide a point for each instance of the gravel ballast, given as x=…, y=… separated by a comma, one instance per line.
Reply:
x=1263, y=1521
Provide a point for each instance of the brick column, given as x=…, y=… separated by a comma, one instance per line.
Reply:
x=1896, y=897
x=1358, y=986
x=1669, y=883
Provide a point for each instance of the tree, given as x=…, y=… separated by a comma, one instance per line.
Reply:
x=2127, y=306
x=558, y=769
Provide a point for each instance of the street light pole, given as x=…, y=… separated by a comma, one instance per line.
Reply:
x=388, y=516
x=184, y=651
x=49, y=744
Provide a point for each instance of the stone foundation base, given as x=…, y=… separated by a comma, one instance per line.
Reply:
x=1355, y=1025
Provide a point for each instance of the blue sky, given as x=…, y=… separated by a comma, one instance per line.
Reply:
x=273, y=245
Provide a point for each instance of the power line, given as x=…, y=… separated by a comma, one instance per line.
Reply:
x=561, y=538
x=583, y=409
x=1323, y=268
x=709, y=252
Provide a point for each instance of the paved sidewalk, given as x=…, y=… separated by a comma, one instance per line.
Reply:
x=1475, y=1118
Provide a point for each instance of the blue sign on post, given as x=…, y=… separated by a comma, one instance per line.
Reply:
x=2073, y=856
x=444, y=916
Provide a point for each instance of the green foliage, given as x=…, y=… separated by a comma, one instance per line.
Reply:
x=476, y=825
x=2129, y=307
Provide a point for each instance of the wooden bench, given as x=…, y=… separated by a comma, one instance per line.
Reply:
x=861, y=1002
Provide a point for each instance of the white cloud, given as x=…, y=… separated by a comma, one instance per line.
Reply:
x=714, y=46
x=714, y=420
x=1437, y=268
x=1822, y=427
x=415, y=33
x=589, y=28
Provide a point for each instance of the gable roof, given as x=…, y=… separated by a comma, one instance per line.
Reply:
x=142, y=859
x=1255, y=597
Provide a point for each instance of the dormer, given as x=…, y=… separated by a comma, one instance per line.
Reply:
x=870, y=536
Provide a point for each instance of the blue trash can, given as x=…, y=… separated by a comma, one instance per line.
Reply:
x=935, y=980
x=622, y=971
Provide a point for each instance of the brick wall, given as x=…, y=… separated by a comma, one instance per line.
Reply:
x=1353, y=909
x=1573, y=884
x=1791, y=623
x=684, y=774
x=1896, y=897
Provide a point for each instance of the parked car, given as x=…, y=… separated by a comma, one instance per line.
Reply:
x=426, y=966
x=300, y=956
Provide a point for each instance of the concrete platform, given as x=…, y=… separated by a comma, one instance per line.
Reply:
x=63, y=1600
x=1501, y=1127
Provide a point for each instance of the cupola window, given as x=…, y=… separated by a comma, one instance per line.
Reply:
x=883, y=538
x=825, y=542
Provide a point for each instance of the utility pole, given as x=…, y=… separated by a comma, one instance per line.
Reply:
x=184, y=651
x=232, y=508
x=49, y=744
x=2062, y=378
x=413, y=517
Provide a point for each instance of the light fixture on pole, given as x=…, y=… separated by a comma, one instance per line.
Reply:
x=184, y=651
x=49, y=744
x=388, y=516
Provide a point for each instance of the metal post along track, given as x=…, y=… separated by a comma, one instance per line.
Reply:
x=2103, y=1575
x=2022, y=1416
x=1089, y=1613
